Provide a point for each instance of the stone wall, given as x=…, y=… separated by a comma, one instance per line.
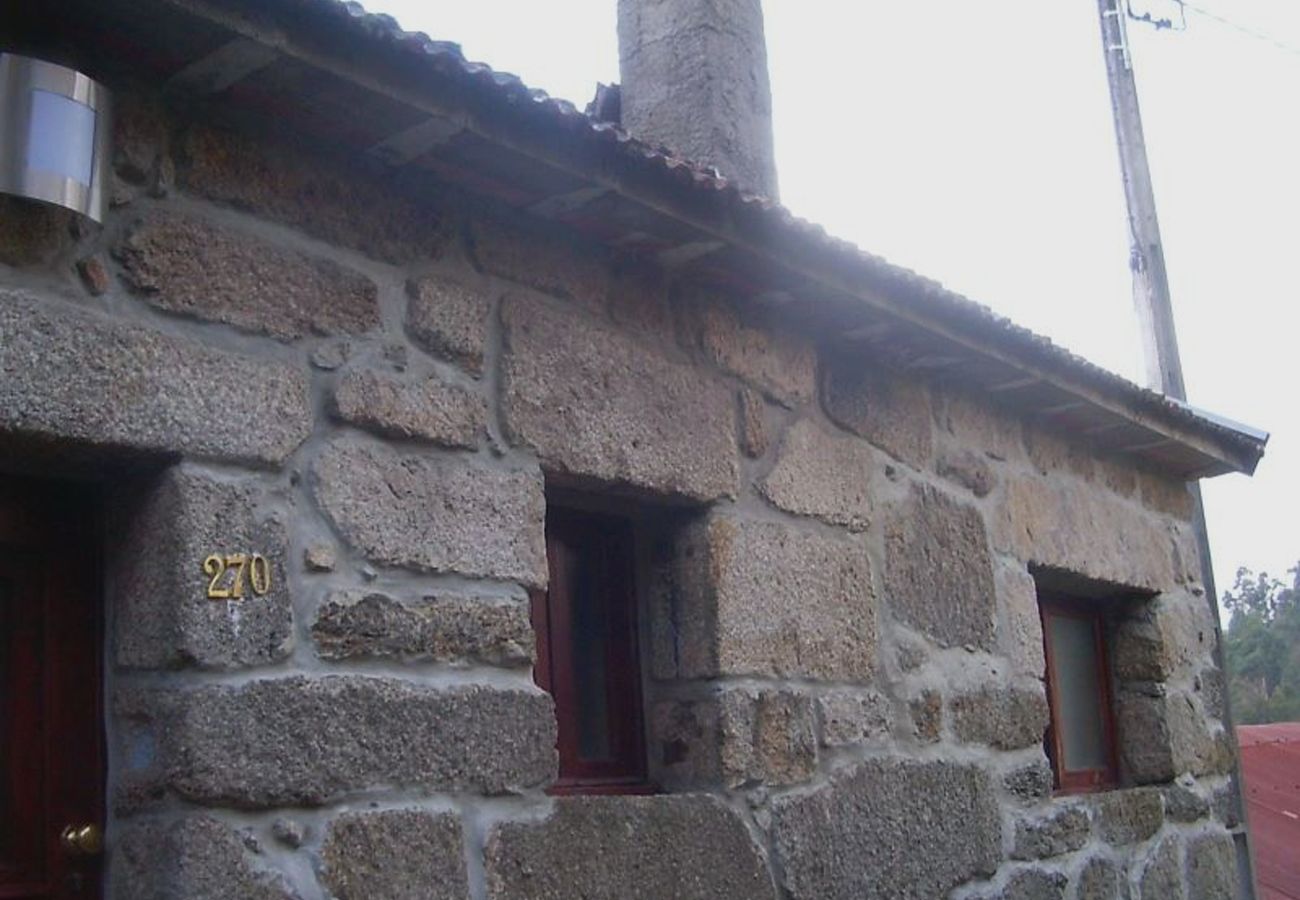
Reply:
x=377, y=391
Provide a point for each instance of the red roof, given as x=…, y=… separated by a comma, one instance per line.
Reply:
x=1270, y=764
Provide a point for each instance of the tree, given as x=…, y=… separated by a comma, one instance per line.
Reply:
x=1262, y=646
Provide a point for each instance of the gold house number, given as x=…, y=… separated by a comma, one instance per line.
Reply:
x=255, y=567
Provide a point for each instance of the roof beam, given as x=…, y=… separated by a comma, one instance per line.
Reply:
x=400, y=148
x=561, y=204
x=685, y=254
x=1014, y=384
x=229, y=64
x=836, y=272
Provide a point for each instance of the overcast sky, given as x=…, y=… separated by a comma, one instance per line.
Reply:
x=973, y=143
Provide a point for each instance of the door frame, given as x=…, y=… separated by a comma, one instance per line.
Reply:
x=60, y=522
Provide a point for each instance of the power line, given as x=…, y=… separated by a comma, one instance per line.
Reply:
x=1249, y=32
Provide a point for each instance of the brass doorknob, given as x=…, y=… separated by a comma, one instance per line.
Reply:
x=82, y=840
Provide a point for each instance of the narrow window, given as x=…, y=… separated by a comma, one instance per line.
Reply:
x=587, y=652
x=1081, y=738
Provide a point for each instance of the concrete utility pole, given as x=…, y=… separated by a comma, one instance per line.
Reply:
x=1164, y=368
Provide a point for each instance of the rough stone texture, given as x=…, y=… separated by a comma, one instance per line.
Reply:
x=196, y=857
x=966, y=468
x=449, y=317
x=1212, y=686
x=163, y=616
x=768, y=737
x=777, y=361
x=1004, y=717
x=1139, y=649
x=821, y=475
x=1212, y=868
x=184, y=265
x=445, y=629
x=1223, y=758
x=32, y=233
x=334, y=202
x=1117, y=473
x=889, y=828
x=851, y=717
x=547, y=262
x=1145, y=751
x=331, y=355
x=1034, y=884
x=1164, y=735
x=94, y=275
x=319, y=558
x=1062, y=831
x=888, y=410
x=972, y=423
x=1225, y=803
x=435, y=513
x=1168, y=636
x=289, y=832
x=679, y=627
x=427, y=409
x=396, y=854
x=753, y=425
x=911, y=650
x=1070, y=525
x=1161, y=877
x=1183, y=804
x=1164, y=495
x=762, y=598
x=1029, y=782
x=926, y=710
x=597, y=404
x=139, y=136
x=690, y=847
x=303, y=741
x=70, y=375
x=694, y=78
x=1186, y=556
x=1020, y=627
x=1100, y=879
x=1129, y=816
x=163, y=180
x=638, y=300
x=1052, y=453
x=938, y=572
x=685, y=741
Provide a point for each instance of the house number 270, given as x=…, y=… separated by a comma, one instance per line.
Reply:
x=240, y=565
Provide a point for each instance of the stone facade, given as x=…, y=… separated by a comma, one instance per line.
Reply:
x=843, y=664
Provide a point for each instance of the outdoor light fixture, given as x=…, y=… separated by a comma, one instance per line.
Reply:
x=53, y=134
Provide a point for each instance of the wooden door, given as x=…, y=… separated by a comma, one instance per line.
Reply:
x=51, y=743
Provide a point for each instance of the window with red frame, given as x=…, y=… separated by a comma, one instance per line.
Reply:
x=1080, y=740
x=587, y=652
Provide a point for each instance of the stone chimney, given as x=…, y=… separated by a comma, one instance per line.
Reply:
x=694, y=79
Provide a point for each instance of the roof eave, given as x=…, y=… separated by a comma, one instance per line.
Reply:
x=559, y=137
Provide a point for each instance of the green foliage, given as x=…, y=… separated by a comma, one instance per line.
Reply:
x=1262, y=646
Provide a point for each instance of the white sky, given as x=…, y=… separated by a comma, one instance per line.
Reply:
x=973, y=143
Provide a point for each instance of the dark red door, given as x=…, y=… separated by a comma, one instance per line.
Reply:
x=51, y=745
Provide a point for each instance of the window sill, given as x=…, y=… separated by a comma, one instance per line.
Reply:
x=601, y=787
x=1077, y=789
x=1087, y=781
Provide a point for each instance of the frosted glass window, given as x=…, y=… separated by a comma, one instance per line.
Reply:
x=62, y=137
x=1077, y=680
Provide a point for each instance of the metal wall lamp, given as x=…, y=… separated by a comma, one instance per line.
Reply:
x=54, y=134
